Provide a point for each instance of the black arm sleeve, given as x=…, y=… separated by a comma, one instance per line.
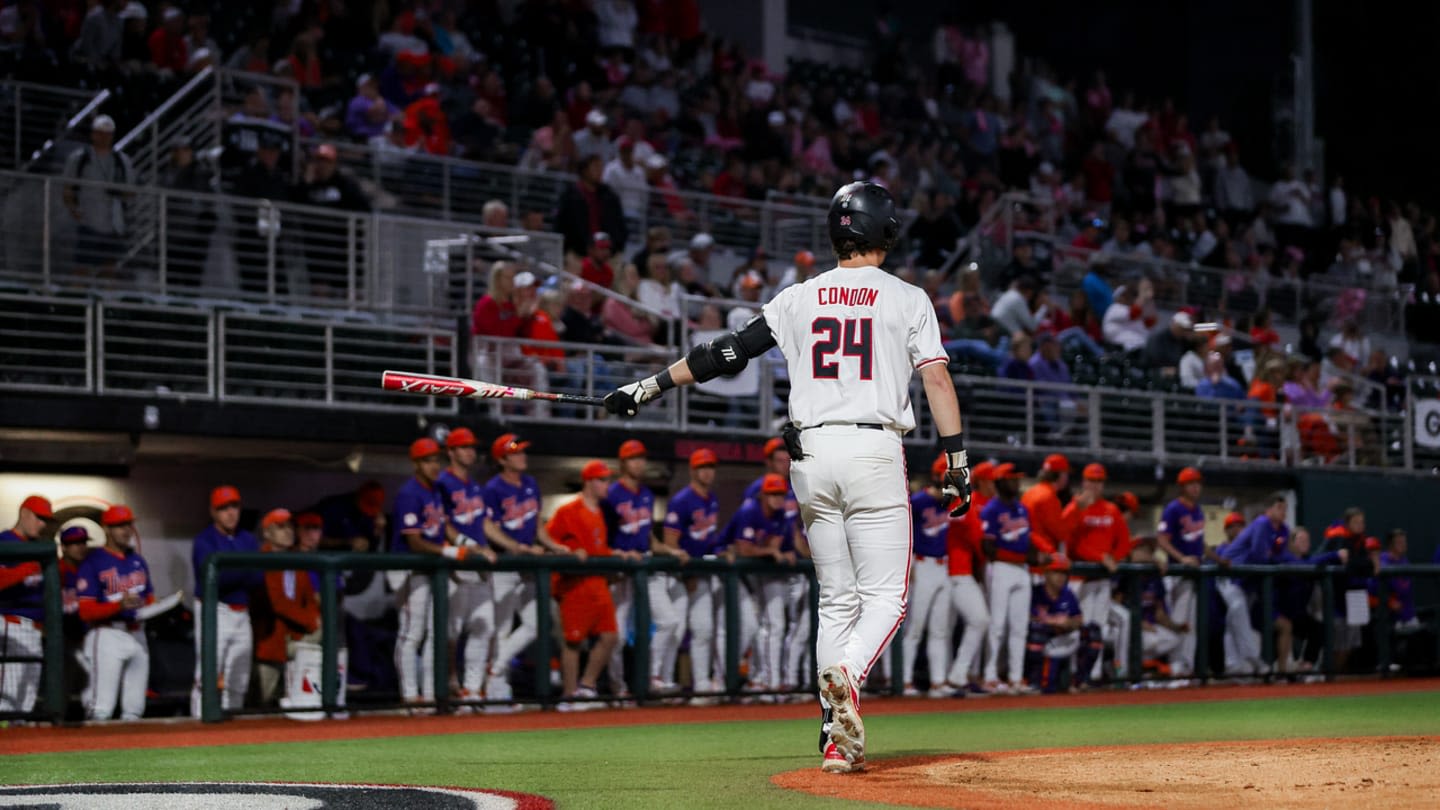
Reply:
x=731, y=352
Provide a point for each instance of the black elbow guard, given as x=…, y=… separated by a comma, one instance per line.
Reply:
x=730, y=353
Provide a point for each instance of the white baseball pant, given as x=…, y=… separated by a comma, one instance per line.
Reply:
x=1095, y=604
x=1181, y=596
x=119, y=663
x=749, y=626
x=414, y=643
x=1155, y=642
x=472, y=614
x=969, y=601
x=929, y=615
x=234, y=647
x=669, y=608
x=1242, y=642
x=855, y=501
x=770, y=597
x=514, y=597
x=798, y=639
x=622, y=593
x=1009, y=585
x=19, y=682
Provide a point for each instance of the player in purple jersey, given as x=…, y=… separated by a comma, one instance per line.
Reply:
x=22, y=611
x=1161, y=635
x=691, y=524
x=1006, y=525
x=1181, y=535
x=794, y=596
x=472, y=600
x=930, y=614
x=1054, y=632
x=234, y=640
x=1258, y=544
x=112, y=583
x=629, y=508
x=759, y=529
x=513, y=526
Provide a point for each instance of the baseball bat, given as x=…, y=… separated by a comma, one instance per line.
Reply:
x=431, y=385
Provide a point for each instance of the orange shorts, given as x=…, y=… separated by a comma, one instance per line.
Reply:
x=586, y=609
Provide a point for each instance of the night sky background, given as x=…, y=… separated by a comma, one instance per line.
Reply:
x=1377, y=70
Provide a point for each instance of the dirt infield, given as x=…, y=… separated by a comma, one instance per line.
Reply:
x=182, y=733
x=1397, y=773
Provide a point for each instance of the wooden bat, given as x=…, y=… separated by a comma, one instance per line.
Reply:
x=431, y=385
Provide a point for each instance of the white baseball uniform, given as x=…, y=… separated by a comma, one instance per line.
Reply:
x=930, y=615
x=472, y=602
x=117, y=654
x=852, y=338
x=19, y=682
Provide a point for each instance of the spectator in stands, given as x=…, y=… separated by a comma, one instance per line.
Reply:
x=1303, y=389
x=1057, y=408
x=368, y=112
x=546, y=326
x=627, y=177
x=99, y=212
x=200, y=48
x=134, y=41
x=747, y=288
x=1290, y=198
x=630, y=324
x=190, y=218
x=1017, y=367
x=657, y=290
x=427, y=125
x=289, y=115
x=1183, y=192
x=1127, y=322
x=1167, y=344
x=594, y=139
x=589, y=206
x=1335, y=367
x=100, y=36
x=581, y=316
x=1022, y=265
x=1013, y=310
x=1192, y=365
x=596, y=268
x=401, y=36
x=496, y=313
x=1233, y=196
x=253, y=56
x=1217, y=384
x=1350, y=340
x=168, y=51
x=263, y=178
x=1262, y=332
x=1141, y=170
x=327, y=240
x=1096, y=288
x=801, y=270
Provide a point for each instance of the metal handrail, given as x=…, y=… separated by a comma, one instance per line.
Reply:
x=70, y=126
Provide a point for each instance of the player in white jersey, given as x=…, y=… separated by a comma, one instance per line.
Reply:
x=852, y=338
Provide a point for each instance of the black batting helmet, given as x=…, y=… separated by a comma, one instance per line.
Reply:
x=862, y=219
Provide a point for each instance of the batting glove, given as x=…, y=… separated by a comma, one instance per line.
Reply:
x=627, y=399
x=957, y=482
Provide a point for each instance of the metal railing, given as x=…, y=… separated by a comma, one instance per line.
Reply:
x=34, y=118
x=291, y=358
x=53, y=658
x=243, y=250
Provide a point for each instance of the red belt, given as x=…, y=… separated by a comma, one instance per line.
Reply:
x=10, y=619
x=1007, y=556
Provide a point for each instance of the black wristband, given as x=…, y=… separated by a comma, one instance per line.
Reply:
x=664, y=380
x=953, y=444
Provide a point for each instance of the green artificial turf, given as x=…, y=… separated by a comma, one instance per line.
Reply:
x=721, y=764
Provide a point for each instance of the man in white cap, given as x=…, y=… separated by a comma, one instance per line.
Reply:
x=99, y=211
x=702, y=245
x=1167, y=344
x=100, y=36
x=594, y=139
x=624, y=174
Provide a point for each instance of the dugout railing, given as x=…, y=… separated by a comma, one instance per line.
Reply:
x=1128, y=576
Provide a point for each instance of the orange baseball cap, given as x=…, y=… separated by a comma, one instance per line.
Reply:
x=1189, y=475
x=224, y=496
x=632, y=448
x=773, y=484
x=1059, y=562
x=595, y=469
x=704, y=457
x=1128, y=502
x=804, y=258
x=1234, y=519
x=309, y=520
x=1094, y=472
x=507, y=444
x=773, y=445
x=1056, y=463
x=117, y=515
x=461, y=437
x=39, y=505
x=984, y=471
x=424, y=448
x=275, y=517
x=1007, y=470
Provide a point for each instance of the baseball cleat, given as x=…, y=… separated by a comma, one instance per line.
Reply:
x=835, y=762
x=847, y=731
x=910, y=691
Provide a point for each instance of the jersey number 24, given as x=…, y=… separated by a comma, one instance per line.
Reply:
x=851, y=337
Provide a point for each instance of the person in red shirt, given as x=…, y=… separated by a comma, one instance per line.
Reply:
x=286, y=612
x=966, y=562
x=167, y=43
x=1048, y=531
x=427, y=125
x=496, y=313
x=1100, y=534
x=596, y=268
x=586, y=609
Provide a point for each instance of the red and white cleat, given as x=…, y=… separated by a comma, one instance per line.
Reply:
x=847, y=731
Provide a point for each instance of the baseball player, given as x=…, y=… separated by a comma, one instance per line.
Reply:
x=22, y=610
x=630, y=514
x=965, y=557
x=691, y=524
x=74, y=548
x=669, y=603
x=234, y=640
x=1181, y=535
x=758, y=530
x=1049, y=531
x=1099, y=534
x=852, y=338
x=1161, y=636
x=512, y=525
x=1258, y=544
x=472, y=602
x=929, y=586
x=586, y=610
x=1054, y=637
x=421, y=527
x=286, y=613
x=784, y=598
x=1234, y=524
x=111, y=584
x=1005, y=523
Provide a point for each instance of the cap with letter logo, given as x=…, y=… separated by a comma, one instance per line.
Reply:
x=507, y=444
